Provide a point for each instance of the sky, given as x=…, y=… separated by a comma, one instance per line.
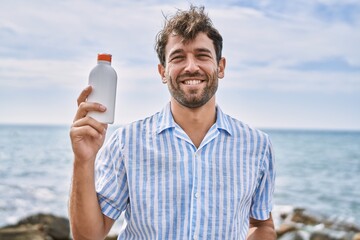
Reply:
x=290, y=64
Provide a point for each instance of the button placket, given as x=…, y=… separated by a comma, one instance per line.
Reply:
x=195, y=195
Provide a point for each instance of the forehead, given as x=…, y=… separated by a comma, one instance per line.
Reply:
x=201, y=41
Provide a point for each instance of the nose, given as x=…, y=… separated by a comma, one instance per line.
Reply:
x=191, y=65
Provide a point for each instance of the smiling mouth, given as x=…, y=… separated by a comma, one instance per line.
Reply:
x=192, y=82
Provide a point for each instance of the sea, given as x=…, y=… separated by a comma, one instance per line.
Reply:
x=317, y=170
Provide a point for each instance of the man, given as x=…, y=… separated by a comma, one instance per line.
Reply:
x=187, y=172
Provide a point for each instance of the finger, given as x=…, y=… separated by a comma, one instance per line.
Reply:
x=88, y=121
x=86, y=107
x=84, y=94
x=84, y=131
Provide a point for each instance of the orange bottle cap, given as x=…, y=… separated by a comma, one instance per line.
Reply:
x=104, y=57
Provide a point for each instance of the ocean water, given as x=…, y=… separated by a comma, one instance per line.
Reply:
x=317, y=170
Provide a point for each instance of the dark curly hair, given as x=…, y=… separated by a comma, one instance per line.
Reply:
x=187, y=24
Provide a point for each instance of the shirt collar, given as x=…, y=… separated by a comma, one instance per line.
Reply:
x=222, y=121
x=166, y=120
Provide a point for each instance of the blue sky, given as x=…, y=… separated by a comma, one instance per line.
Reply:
x=290, y=64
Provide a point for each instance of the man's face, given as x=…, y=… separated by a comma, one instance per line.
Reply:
x=191, y=71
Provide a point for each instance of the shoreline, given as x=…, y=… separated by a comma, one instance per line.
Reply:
x=296, y=223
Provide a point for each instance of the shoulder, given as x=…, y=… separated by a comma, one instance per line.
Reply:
x=256, y=141
x=242, y=129
x=148, y=124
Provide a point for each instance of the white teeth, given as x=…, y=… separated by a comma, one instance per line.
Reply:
x=192, y=82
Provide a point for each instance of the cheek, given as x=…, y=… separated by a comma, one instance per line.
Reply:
x=171, y=72
x=168, y=76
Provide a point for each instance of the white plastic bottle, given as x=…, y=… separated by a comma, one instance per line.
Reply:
x=103, y=80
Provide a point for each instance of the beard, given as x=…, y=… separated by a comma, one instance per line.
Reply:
x=197, y=97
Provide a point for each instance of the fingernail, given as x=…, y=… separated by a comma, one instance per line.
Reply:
x=102, y=108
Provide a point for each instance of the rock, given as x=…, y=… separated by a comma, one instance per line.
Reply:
x=300, y=217
x=319, y=236
x=291, y=236
x=56, y=227
x=285, y=228
x=40, y=226
x=25, y=232
x=297, y=223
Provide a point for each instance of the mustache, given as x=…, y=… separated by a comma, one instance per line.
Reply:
x=191, y=75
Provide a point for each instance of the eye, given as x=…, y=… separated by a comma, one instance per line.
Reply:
x=203, y=56
x=177, y=58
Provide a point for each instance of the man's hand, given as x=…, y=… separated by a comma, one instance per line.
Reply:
x=87, y=135
x=261, y=230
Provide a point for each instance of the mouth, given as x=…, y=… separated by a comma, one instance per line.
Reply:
x=192, y=82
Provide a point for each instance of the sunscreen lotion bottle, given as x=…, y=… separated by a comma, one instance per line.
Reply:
x=103, y=80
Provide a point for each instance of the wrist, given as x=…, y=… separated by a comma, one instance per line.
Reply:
x=84, y=164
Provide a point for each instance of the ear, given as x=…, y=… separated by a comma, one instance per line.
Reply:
x=161, y=70
x=221, y=68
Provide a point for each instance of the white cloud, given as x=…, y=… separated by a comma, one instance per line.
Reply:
x=260, y=38
x=57, y=35
x=54, y=44
x=281, y=79
x=281, y=43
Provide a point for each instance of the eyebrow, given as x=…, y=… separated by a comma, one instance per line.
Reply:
x=177, y=51
x=197, y=50
x=203, y=50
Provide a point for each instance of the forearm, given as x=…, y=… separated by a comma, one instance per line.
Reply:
x=262, y=229
x=86, y=218
x=261, y=233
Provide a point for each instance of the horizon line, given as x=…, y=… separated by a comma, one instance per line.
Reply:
x=268, y=128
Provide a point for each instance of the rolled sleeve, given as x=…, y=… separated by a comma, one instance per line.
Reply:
x=110, y=179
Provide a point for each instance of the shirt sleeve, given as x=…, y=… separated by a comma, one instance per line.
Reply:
x=262, y=202
x=110, y=178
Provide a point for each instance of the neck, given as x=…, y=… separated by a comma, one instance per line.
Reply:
x=196, y=122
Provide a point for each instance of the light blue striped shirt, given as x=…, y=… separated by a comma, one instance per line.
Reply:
x=169, y=189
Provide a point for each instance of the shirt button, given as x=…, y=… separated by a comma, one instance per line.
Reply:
x=196, y=195
x=195, y=238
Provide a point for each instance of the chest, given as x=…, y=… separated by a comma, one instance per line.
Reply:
x=170, y=172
